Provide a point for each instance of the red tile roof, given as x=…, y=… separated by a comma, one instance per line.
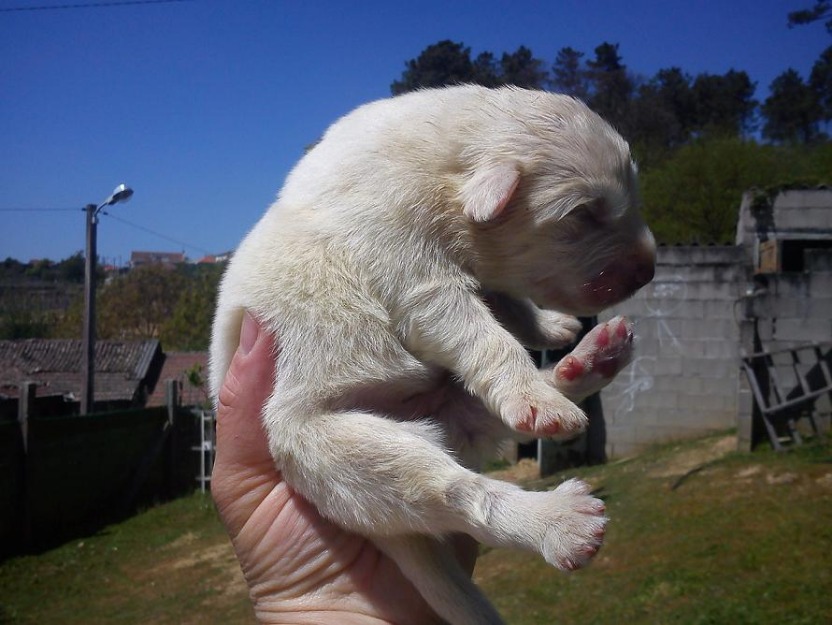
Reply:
x=175, y=367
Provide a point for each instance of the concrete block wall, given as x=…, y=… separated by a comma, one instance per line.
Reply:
x=684, y=379
x=796, y=307
x=791, y=309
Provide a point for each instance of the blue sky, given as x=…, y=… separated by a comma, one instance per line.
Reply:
x=203, y=106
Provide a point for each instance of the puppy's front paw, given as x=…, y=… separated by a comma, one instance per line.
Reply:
x=543, y=412
x=576, y=527
x=597, y=359
x=557, y=330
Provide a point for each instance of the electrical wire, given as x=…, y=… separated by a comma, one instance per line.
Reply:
x=158, y=234
x=85, y=5
x=37, y=210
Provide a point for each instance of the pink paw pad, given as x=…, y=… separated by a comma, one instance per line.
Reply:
x=570, y=368
x=528, y=422
x=600, y=355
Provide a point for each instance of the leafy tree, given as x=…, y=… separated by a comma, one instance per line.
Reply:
x=820, y=80
x=724, y=104
x=693, y=196
x=11, y=269
x=792, y=111
x=189, y=326
x=821, y=10
x=568, y=76
x=41, y=269
x=72, y=269
x=449, y=63
x=443, y=63
x=611, y=87
x=485, y=70
x=662, y=115
x=136, y=305
x=522, y=69
x=24, y=322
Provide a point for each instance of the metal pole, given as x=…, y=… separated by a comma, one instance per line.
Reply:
x=88, y=335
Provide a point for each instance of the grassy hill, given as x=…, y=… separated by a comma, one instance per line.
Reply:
x=699, y=535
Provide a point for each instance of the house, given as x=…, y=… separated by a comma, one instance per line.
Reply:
x=185, y=368
x=126, y=373
x=213, y=259
x=166, y=259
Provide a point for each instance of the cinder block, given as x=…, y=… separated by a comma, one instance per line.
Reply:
x=668, y=365
x=719, y=387
x=710, y=369
x=714, y=309
x=819, y=308
x=801, y=330
x=789, y=285
x=722, y=329
x=691, y=309
x=659, y=399
x=721, y=349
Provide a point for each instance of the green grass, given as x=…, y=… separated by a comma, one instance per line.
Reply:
x=169, y=565
x=744, y=539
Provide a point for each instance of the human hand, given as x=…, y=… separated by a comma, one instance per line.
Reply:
x=299, y=567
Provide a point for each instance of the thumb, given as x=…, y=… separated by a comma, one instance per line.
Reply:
x=241, y=440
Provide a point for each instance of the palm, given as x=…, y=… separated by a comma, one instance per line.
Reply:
x=299, y=567
x=294, y=560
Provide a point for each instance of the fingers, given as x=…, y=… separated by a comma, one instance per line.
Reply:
x=247, y=385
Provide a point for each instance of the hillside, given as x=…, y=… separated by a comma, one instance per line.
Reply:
x=699, y=535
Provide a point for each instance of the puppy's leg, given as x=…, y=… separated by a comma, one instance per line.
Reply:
x=451, y=326
x=432, y=568
x=596, y=360
x=380, y=477
x=534, y=327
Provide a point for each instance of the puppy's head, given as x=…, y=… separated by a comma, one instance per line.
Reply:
x=555, y=217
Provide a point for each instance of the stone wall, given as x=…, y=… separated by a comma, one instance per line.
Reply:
x=684, y=378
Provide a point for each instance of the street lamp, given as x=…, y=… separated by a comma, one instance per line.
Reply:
x=122, y=193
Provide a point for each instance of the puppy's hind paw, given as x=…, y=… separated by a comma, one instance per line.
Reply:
x=577, y=534
x=596, y=360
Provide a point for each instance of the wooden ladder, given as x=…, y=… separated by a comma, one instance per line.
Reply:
x=786, y=384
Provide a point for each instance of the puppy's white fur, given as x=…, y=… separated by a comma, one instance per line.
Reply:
x=381, y=267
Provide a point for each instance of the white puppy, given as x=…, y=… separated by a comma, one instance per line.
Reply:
x=393, y=249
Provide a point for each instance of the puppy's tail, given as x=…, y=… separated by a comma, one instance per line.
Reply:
x=432, y=568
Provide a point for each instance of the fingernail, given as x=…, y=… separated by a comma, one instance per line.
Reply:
x=248, y=333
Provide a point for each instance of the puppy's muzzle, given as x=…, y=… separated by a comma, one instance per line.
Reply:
x=620, y=279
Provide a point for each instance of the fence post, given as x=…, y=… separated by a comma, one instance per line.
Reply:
x=172, y=403
x=25, y=408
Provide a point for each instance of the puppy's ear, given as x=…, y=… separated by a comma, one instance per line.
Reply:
x=489, y=190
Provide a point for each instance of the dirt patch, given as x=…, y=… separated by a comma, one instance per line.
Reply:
x=682, y=463
x=825, y=480
x=213, y=563
x=524, y=471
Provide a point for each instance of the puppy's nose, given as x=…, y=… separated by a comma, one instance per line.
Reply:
x=643, y=272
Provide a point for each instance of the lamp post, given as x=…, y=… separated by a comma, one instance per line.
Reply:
x=122, y=193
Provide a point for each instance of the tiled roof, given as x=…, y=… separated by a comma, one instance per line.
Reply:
x=175, y=367
x=121, y=367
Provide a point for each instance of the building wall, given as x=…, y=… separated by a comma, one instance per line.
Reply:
x=684, y=377
x=787, y=310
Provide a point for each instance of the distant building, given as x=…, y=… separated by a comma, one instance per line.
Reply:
x=166, y=259
x=126, y=372
x=185, y=368
x=212, y=259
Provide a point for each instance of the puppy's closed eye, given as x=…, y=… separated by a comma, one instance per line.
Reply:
x=599, y=212
x=593, y=213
